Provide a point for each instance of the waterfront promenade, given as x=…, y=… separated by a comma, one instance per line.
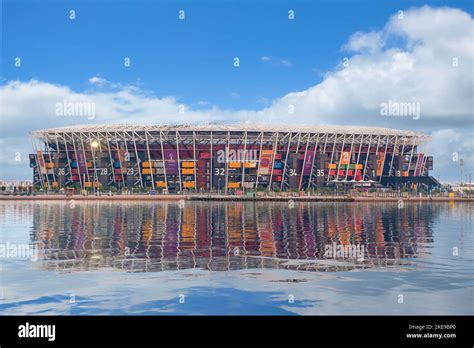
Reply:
x=381, y=197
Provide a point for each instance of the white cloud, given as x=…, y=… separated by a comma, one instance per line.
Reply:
x=451, y=145
x=276, y=61
x=408, y=60
x=359, y=41
x=262, y=100
x=95, y=80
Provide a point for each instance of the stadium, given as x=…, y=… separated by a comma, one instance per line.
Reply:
x=228, y=158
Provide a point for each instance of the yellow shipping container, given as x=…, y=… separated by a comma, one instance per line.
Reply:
x=331, y=166
x=250, y=164
x=188, y=171
x=233, y=185
x=151, y=164
x=188, y=184
x=187, y=164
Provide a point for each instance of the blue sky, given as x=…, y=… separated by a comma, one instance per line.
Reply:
x=282, y=62
x=190, y=59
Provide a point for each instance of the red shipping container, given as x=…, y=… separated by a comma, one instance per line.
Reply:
x=350, y=172
x=75, y=177
x=74, y=171
x=117, y=171
x=278, y=178
x=332, y=172
x=205, y=155
x=278, y=156
x=118, y=178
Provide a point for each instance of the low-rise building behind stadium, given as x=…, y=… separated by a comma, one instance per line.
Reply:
x=226, y=158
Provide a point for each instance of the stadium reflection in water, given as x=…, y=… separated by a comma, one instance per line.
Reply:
x=154, y=237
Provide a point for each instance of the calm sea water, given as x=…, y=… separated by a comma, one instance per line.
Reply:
x=236, y=258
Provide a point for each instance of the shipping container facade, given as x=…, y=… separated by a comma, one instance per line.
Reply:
x=219, y=158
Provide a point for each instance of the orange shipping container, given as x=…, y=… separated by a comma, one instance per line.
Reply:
x=250, y=164
x=233, y=185
x=160, y=184
x=234, y=164
x=345, y=157
x=187, y=164
x=188, y=184
x=188, y=171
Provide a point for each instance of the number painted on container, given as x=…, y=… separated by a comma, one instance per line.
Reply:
x=103, y=171
x=292, y=172
x=61, y=171
x=130, y=171
x=219, y=171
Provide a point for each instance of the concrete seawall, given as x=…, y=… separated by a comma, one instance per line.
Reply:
x=233, y=198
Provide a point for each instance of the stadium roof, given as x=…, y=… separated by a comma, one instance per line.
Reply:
x=249, y=127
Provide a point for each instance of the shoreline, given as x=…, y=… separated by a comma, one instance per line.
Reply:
x=171, y=197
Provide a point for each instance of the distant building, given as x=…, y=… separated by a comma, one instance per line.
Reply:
x=228, y=157
x=462, y=187
x=16, y=183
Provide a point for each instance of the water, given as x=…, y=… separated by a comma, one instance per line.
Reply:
x=236, y=258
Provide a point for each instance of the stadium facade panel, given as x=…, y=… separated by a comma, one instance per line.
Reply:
x=221, y=158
